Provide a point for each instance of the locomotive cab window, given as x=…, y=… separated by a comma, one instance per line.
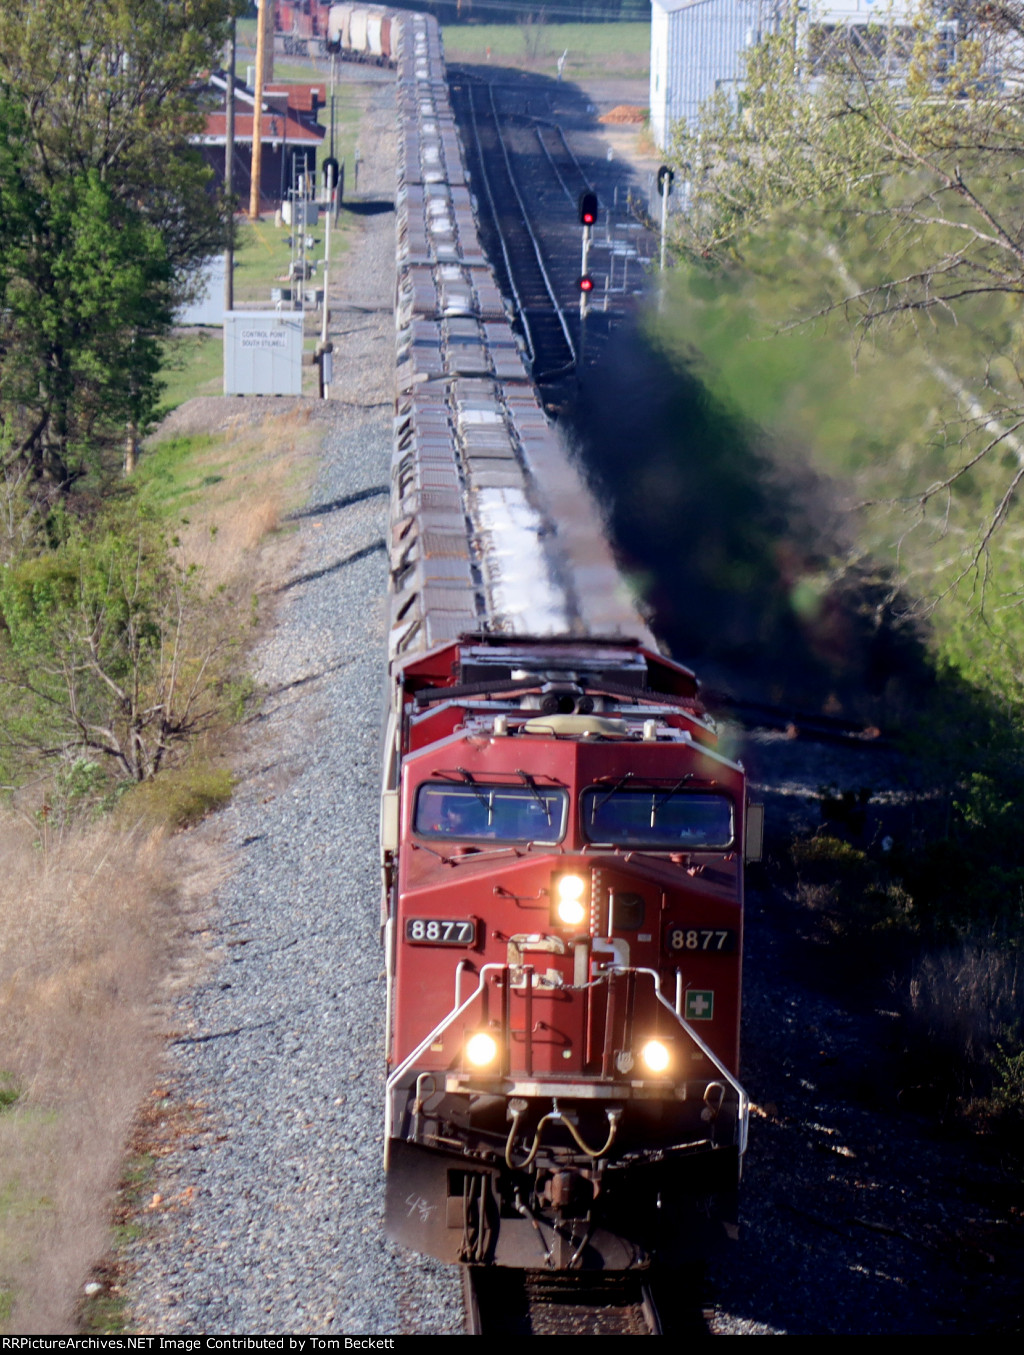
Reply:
x=490, y=813
x=665, y=818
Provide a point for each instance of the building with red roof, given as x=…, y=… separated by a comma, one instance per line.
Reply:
x=290, y=133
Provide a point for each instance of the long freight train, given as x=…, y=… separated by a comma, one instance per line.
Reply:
x=562, y=842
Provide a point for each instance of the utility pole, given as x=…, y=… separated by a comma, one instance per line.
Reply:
x=229, y=171
x=665, y=177
x=257, y=116
x=325, y=349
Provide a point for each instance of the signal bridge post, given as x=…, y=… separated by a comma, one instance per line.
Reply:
x=588, y=216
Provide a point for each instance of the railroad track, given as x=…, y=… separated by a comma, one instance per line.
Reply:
x=526, y=276
x=540, y=1303
x=810, y=726
x=527, y=180
x=571, y=176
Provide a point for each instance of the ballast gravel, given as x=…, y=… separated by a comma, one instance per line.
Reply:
x=266, y=1213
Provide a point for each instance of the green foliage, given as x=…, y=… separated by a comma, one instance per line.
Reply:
x=852, y=284
x=108, y=650
x=1008, y=1092
x=972, y=876
x=105, y=213
x=10, y=1092
x=75, y=786
x=179, y=797
x=852, y=894
x=785, y=142
x=867, y=177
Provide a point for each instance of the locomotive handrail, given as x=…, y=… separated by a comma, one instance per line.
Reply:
x=423, y=1046
x=457, y=1011
x=744, y=1099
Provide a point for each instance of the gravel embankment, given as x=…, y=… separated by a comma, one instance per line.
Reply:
x=269, y=1217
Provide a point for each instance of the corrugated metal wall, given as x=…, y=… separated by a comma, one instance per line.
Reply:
x=696, y=49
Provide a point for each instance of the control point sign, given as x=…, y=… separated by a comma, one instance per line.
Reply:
x=262, y=353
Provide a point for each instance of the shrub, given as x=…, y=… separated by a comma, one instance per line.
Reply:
x=850, y=892
x=110, y=652
x=178, y=797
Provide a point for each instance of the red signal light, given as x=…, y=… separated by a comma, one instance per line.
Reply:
x=585, y=283
x=588, y=208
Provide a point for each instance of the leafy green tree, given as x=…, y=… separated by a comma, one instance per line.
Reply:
x=106, y=212
x=86, y=289
x=908, y=139
x=109, y=649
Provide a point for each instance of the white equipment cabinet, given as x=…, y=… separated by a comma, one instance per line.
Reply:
x=262, y=353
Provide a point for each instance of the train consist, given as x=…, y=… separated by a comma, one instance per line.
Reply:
x=562, y=843
x=353, y=32
x=360, y=33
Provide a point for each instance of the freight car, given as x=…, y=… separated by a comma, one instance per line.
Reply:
x=360, y=33
x=562, y=841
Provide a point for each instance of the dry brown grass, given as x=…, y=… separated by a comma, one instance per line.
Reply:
x=234, y=534
x=84, y=930
x=962, y=1003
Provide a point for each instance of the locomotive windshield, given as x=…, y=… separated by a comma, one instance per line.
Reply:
x=657, y=816
x=494, y=813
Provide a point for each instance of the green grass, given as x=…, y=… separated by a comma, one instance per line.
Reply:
x=175, y=472
x=622, y=50
x=179, y=797
x=24, y=1184
x=193, y=365
x=10, y=1092
x=263, y=258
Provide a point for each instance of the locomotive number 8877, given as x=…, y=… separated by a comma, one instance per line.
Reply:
x=563, y=854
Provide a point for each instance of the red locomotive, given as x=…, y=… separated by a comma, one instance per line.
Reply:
x=563, y=854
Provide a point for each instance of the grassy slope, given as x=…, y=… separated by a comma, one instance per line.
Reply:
x=87, y=912
x=84, y=941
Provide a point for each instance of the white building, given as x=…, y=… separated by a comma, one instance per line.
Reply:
x=697, y=46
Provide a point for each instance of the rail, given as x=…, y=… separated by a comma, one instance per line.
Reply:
x=534, y=245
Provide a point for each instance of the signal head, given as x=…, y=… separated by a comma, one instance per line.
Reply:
x=588, y=208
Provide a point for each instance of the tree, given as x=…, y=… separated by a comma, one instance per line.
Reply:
x=900, y=122
x=86, y=289
x=108, y=648
x=106, y=212
x=914, y=133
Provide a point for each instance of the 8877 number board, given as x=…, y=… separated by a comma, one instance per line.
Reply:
x=680, y=937
x=440, y=931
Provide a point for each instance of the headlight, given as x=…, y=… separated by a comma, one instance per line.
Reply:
x=481, y=1049
x=570, y=904
x=656, y=1056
